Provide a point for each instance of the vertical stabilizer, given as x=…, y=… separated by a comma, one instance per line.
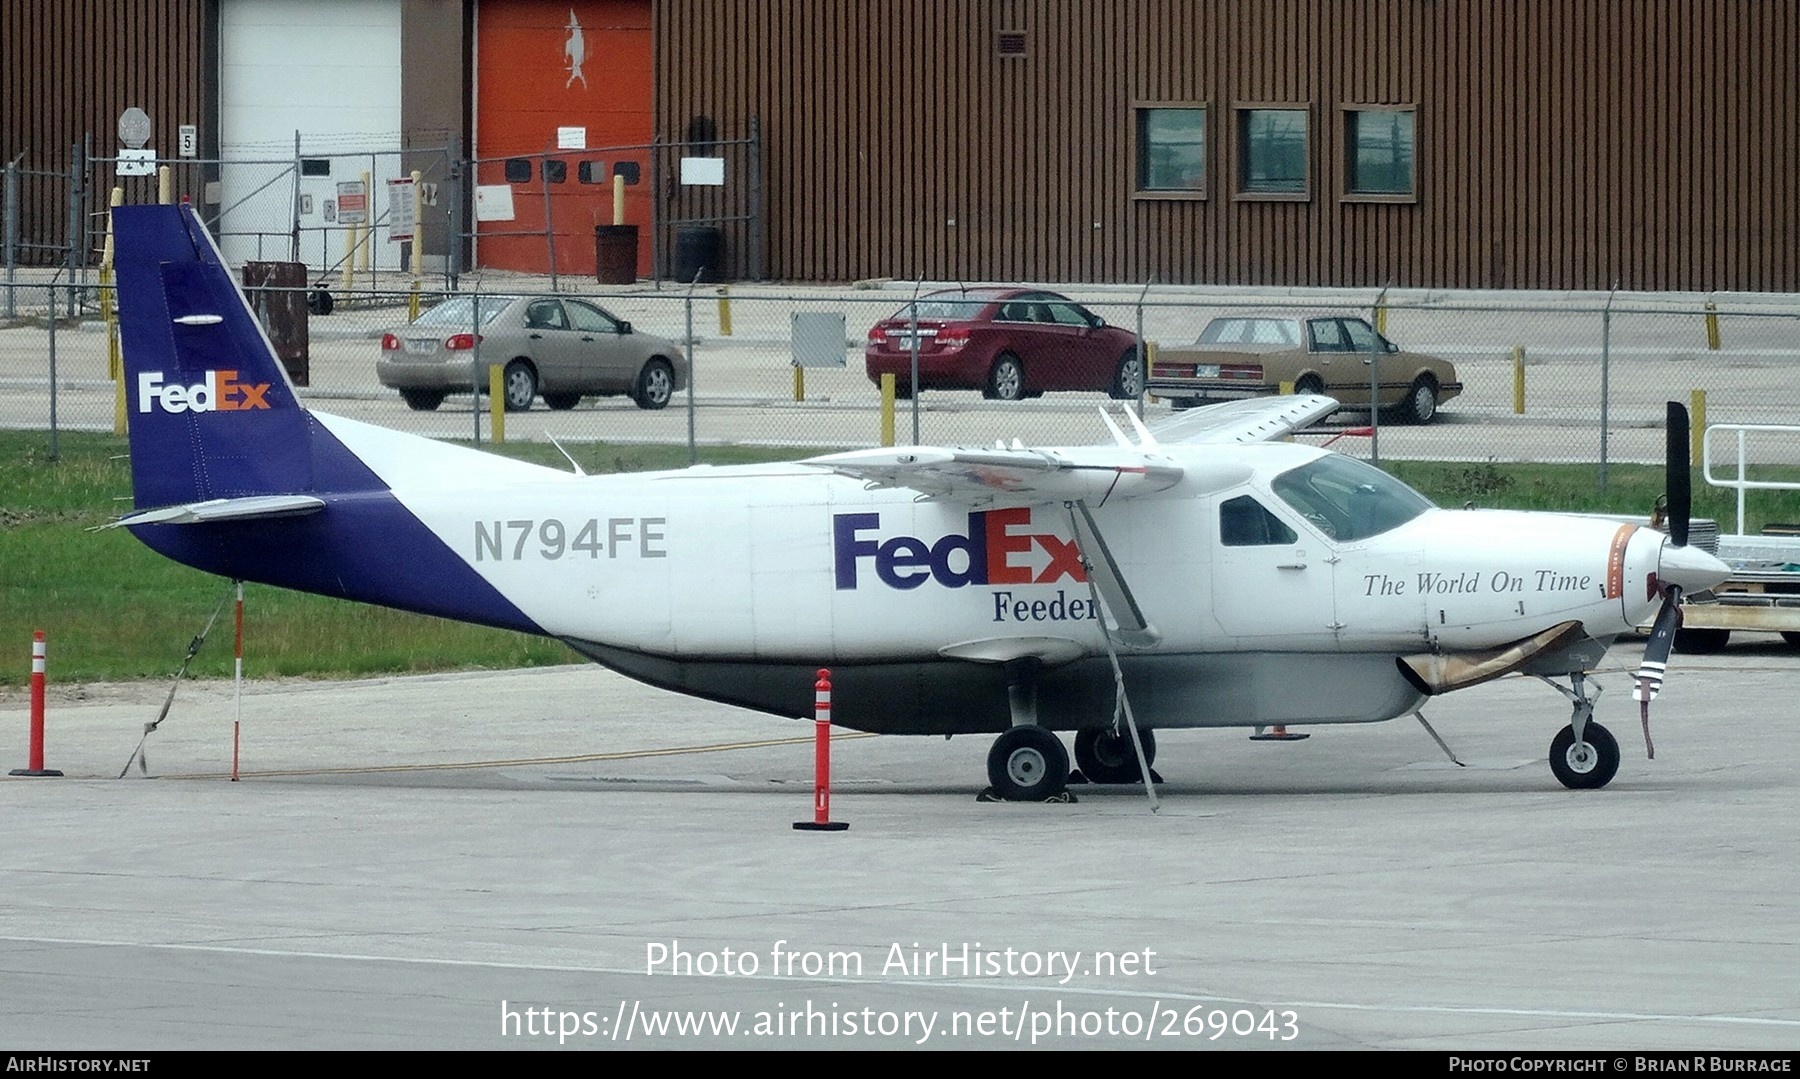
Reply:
x=211, y=411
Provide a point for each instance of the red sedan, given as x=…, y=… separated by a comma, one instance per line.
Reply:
x=1008, y=343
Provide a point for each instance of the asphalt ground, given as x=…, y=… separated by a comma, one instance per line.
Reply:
x=565, y=859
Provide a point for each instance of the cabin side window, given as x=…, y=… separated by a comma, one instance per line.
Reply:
x=1244, y=522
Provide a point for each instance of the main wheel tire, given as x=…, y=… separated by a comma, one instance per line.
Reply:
x=1128, y=378
x=1309, y=384
x=518, y=386
x=1586, y=765
x=423, y=400
x=1702, y=642
x=1028, y=764
x=655, y=384
x=1107, y=756
x=562, y=402
x=319, y=302
x=1006, y=379
x=1420, y=404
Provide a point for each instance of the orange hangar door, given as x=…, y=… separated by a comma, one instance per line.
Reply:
x=562, y=105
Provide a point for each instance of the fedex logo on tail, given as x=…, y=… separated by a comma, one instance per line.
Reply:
x=997, y=549
x=220, y=391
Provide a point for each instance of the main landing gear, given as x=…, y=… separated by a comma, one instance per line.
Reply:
x=1584, y=755
x=1029, y=764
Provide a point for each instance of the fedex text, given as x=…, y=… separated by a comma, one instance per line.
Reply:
x=998, y=548
x=219, y=391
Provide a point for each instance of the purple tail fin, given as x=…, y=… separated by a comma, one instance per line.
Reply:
x=211, y=411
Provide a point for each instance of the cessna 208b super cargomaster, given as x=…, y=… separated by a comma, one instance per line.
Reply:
x=1206, y=574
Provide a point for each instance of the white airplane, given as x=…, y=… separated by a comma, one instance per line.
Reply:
x=1207, y=574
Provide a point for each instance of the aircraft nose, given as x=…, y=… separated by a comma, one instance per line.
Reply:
x=1690, y=568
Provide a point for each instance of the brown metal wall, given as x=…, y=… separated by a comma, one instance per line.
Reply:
x=1560, y=143
x=69, y=67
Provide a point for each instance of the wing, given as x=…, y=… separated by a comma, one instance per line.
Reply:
x=1092, y=474
x=1257, y=419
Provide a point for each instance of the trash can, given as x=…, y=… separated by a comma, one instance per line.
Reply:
x=698, y=251
x=277, y=293
x=615, y=254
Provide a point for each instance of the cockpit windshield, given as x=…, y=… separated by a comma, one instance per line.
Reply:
x=1349, y=499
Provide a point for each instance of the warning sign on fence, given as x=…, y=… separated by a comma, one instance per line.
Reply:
x=353, y=203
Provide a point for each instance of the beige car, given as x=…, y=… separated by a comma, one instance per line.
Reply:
x=1246, y=355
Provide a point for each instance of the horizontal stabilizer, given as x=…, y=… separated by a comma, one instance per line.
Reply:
x=1436, y=673
x=252, y=508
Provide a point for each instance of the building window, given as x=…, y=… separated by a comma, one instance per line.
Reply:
x=1171, y=151
x=1272, y=152
x=1379, y=159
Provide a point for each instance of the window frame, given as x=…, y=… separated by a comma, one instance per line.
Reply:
x=1139, y=147
x=1349, y=112
x=1240, y=115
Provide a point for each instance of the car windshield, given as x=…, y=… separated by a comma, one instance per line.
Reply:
x=1349, y=499
x=459, y=311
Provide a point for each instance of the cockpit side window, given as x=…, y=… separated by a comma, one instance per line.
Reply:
x=1243, y=522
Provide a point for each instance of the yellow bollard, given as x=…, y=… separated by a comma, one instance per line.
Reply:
x=496, y=403
x=165, y=185
x=1518, y=358
x=1149, y=366
x=724, y=312
x=799, y=383
x=1381, y=319
x=412, y=303
x=346, y=279
x=1696, y=426
x=1712, y=326
x=887, y=410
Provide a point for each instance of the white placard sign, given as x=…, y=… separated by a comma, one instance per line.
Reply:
x=703, y=171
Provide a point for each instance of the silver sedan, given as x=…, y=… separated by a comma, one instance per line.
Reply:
x=557, y=346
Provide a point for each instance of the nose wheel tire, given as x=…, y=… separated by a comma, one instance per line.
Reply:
x=1028, y=764
x=1586, y=765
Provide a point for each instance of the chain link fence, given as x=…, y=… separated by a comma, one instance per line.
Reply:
x=1583, y=380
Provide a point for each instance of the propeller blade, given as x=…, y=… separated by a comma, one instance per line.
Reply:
x=1679, y=481
x=1656, y=654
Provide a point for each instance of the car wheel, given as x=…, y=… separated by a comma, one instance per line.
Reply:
x=562, y=402
x=423, y=400
x=319, y=302
x=1420, y=405
x=518, y=385
x=1128, y=379
x=1309, y=384
x=655, y=384
x=1006, y=379
x=903, y=391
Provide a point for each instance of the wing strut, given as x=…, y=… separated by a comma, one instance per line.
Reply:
x=1082, y=523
